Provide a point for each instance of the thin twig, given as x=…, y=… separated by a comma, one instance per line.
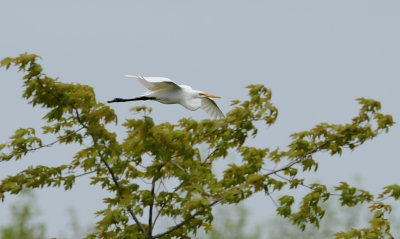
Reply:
x=56, y=141
x=165, y=204
x=49, y=144
x=298, y=160
x=178, y=166
x=78, y=118
x=209, y=156
x=83, y=174
x=302, y=184
x=272, y=199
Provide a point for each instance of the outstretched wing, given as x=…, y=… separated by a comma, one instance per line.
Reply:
x=155, y=83
x=209, y=106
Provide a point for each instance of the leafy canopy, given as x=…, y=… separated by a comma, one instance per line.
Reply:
x=169, y=154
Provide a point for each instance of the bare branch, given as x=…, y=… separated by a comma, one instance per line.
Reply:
x=209, y=156
x=83, y=174
x=272, y=199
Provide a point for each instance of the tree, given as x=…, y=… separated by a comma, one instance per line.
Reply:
x=22, y=225
x=335, y=219
x=169, y=154
x=75, y=229
x=233, y=223
x=24, y=216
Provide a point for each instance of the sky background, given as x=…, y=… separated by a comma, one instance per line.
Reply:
x=316, y=56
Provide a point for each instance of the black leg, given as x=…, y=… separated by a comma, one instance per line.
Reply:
x=133, y=99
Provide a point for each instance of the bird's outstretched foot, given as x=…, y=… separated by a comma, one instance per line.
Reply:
x=116, y=100
x=133, y=99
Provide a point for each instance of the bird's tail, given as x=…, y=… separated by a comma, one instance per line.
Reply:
x=131, y=76
x=141, y=79
x=137, y=77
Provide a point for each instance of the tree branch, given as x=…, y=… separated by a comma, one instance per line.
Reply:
x=272, y=199
x=114, y=178
x=302, y=184
x=150, y=232
x=56, y=141
x=83, y=174
x=298, y=160
x=209, y=156
x=165, y=204
x=184, y=221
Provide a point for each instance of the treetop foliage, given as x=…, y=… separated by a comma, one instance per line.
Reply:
x=169, y=154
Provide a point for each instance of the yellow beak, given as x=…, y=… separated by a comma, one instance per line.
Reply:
x=210, y=96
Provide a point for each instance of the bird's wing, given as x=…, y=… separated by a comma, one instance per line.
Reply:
x=155, y=83
x=209, y=106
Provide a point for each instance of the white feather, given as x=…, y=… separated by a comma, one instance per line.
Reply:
x=211, y=108
x=155, y=83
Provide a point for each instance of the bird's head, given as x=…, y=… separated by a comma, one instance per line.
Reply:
x=196, y=93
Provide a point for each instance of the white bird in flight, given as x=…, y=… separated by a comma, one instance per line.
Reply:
x=166, y=91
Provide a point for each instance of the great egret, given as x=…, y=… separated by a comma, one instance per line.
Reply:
x=166, y=91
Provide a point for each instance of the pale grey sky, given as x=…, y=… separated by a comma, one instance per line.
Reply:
x=316, y=56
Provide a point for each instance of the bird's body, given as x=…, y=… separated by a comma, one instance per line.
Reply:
x=166, y=91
